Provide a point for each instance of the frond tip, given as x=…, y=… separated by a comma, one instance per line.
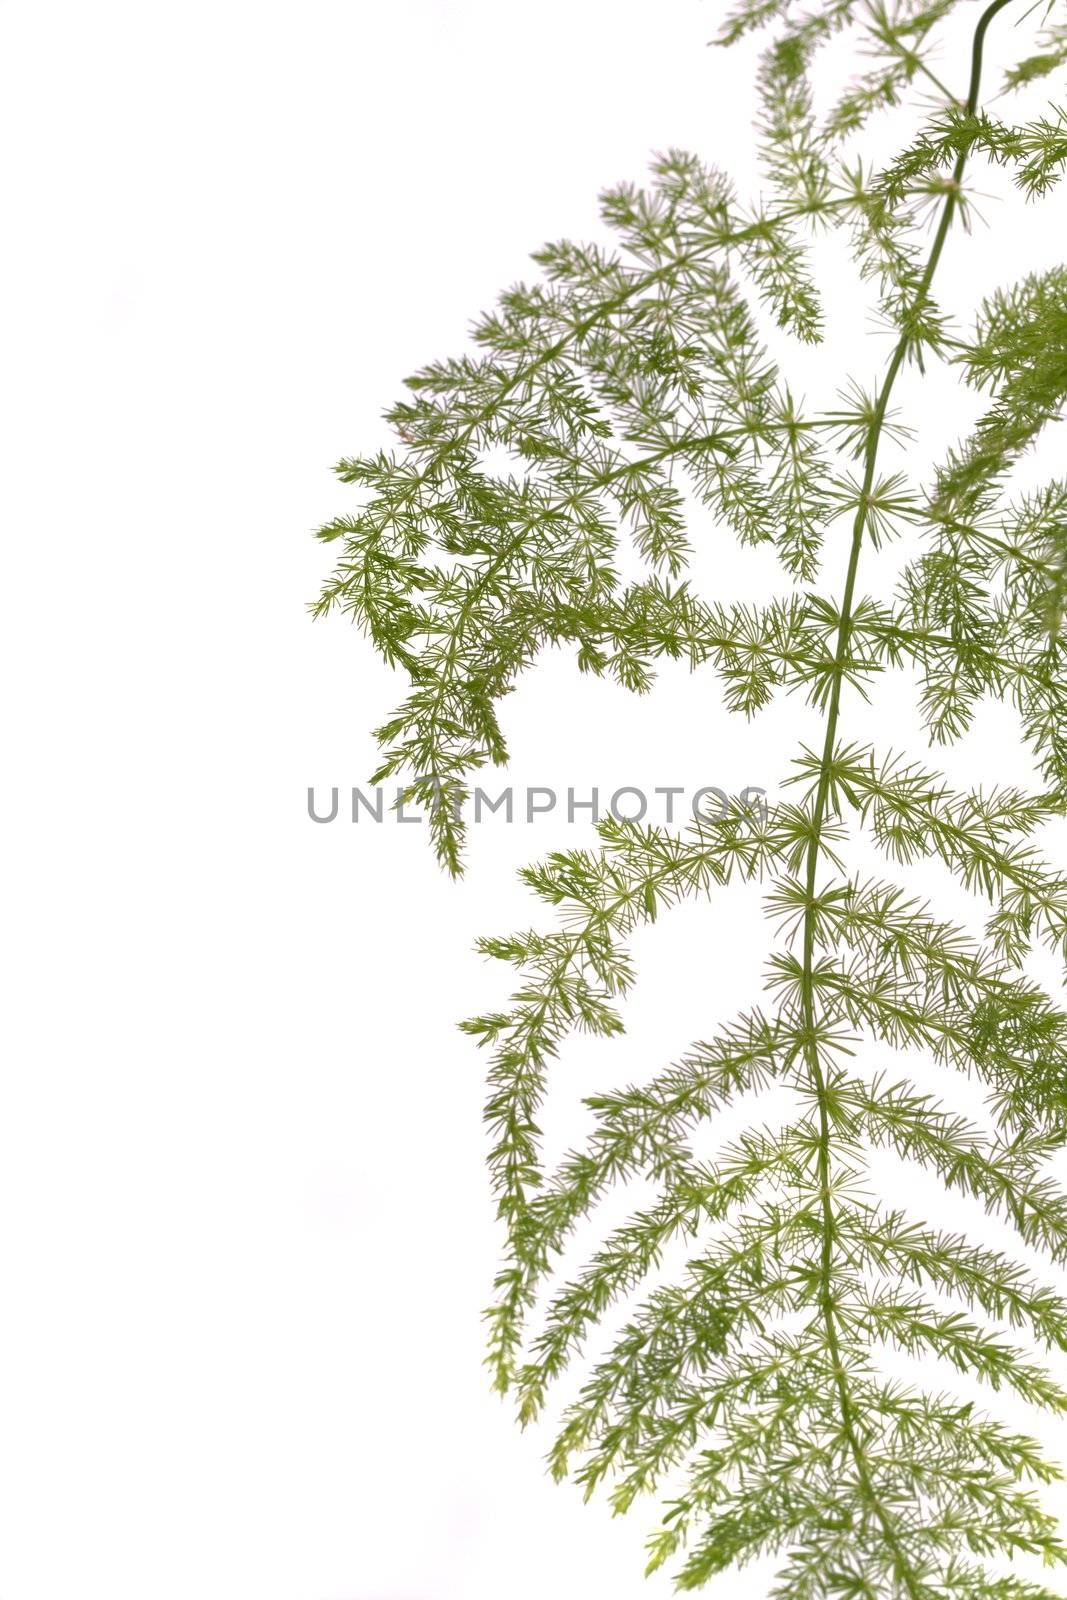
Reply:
x=755, y=1374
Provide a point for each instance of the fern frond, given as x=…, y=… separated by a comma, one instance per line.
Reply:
x=746, y=1308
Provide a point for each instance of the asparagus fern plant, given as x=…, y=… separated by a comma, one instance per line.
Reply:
x=752, y=1393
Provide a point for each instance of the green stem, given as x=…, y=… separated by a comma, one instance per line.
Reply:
x=811, y=1047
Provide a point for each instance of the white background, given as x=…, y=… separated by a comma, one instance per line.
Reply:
x=245, y=1235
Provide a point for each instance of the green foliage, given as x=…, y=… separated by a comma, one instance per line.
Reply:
x=748, y=1391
